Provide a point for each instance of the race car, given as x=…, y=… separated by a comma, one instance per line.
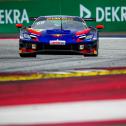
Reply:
x=58, y=33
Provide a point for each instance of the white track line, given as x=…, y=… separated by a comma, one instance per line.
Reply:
x=63, y=112
x=112, y=38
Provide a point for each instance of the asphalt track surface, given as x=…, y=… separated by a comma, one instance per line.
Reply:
x=112, y=53
x=72, y=90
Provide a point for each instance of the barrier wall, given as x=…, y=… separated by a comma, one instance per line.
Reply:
x=111, y=13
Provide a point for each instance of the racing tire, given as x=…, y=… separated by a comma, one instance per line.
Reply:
x=93, y=55
x=27, y=55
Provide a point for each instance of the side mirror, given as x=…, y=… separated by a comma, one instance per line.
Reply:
x=100, y=26
x=19, y=25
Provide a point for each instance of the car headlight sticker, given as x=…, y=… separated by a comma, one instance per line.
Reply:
x=82, y=36
x=26, y=36
x=89, y=36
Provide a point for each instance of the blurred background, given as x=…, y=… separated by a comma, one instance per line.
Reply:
x=110, y=13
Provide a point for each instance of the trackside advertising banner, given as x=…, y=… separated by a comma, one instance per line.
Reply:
x=111, y=13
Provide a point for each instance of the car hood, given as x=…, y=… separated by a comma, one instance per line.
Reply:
x=57, y=31
x=58, y=34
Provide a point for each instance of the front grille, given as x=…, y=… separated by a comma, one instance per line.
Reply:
x=60, y=47
x=57, y=47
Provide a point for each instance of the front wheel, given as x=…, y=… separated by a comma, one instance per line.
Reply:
x=25, y=55
x=92, y=51
x=26, y=50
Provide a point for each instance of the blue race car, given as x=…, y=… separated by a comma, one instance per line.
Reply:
x=59, y=33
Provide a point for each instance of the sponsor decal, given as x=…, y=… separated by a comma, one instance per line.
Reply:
x=111, y=14
x=84, y=12
x=59, y=18
x=12, y=16
x=108, y=14
x=57, y=42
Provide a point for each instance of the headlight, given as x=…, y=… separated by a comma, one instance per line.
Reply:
x=94, y=38
x=82, y=36
x=26, y=36
x=89, y=37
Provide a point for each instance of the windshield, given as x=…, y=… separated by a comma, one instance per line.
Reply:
x=65, y=23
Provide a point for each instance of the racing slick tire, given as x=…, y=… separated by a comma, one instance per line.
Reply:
x=25, y=55
x=95, y=54
x=24, y=50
